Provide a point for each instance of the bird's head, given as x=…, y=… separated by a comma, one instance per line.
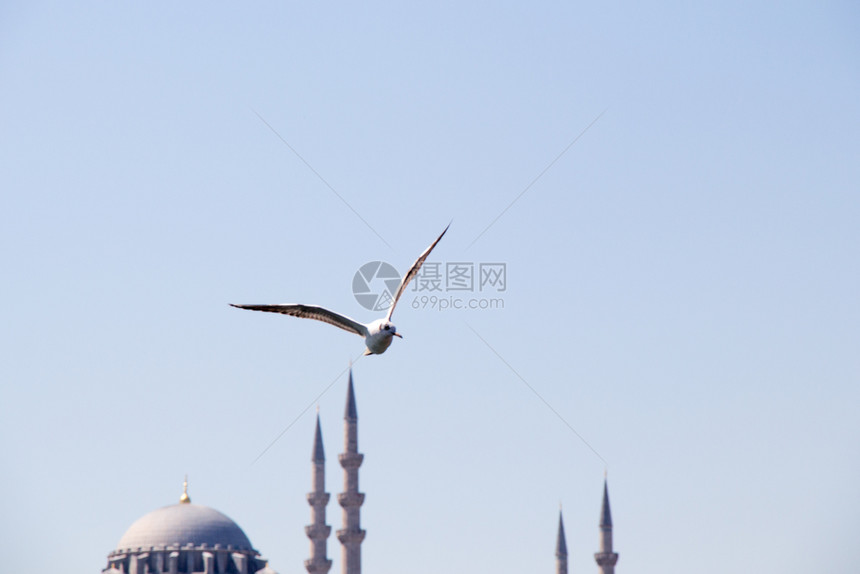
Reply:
x=386, y=327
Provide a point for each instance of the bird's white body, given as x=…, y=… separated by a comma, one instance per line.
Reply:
x=377, y=334
x=379, y=337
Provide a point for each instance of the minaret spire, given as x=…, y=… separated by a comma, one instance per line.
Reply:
x=318, y=531
x=605, y=514
x=351, y=535
x=606, y=558
x=318, y=451
x=560, y=548
x=350, y=412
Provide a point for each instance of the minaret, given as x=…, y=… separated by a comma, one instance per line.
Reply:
x=560, y=548
x=606, y=558
x=318, y=531
x=351, y=535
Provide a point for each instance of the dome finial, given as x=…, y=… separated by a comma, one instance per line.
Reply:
x=185, y=499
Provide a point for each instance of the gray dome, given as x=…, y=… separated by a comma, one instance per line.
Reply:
x=181, y=524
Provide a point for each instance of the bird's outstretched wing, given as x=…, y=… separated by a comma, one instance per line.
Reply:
x=312, y=312
x=411, y=273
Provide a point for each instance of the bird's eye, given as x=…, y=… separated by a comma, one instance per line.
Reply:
x=386, y=327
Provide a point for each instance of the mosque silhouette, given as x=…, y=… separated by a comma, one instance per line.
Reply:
x=187, y=538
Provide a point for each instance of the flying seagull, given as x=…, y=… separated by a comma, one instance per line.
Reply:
x=377, y=334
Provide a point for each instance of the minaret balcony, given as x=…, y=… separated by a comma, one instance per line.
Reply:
x=317, y=531
x=318, y=498
x=350, y=499
x=349, y=536
x=349, y=460
x=606, y=558
x=316, y=566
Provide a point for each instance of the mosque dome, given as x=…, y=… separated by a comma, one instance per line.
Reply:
x=185, y=538
x=182, y=524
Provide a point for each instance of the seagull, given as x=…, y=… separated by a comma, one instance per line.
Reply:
x=377, y=334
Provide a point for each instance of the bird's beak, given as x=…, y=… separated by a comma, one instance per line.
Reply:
x=398, y=335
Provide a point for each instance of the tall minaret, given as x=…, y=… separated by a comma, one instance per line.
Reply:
x=318, y=531
x=606, y=558
x=351, y=535
x=560, y=548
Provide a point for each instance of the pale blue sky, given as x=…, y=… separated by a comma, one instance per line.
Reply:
x=682, y=283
